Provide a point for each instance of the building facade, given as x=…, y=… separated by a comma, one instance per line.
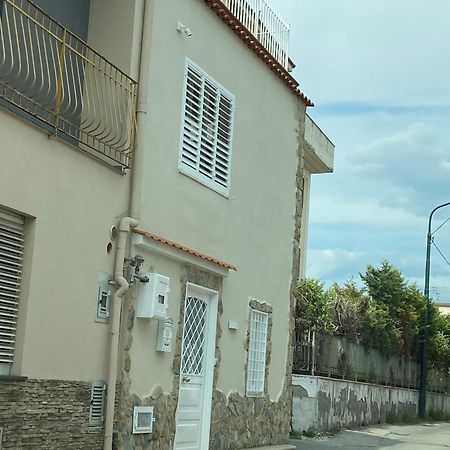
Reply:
x=154, y=189
x=444, y=308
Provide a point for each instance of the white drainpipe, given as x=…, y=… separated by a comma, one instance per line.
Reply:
x=128, y=223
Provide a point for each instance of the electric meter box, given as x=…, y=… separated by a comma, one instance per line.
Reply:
x=164, y=336
x=153, y=298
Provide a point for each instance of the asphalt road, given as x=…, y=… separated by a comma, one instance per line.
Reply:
x=426, y=436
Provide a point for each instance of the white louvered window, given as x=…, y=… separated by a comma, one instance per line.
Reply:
x=11, y=257
x=207, y=130
x=257, y=347
x=97, y=408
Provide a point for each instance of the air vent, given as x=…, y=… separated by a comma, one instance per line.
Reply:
x=143, y=419
x=97, y=409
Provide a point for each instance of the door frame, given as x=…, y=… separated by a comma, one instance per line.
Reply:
x=193, y=289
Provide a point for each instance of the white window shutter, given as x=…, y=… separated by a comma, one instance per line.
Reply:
x=257, y=347
x=224, y=137
x=11, y=259
x=98, y=398
x=207, y=130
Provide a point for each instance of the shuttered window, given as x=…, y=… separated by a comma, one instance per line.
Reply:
x=207, y=130
x=257, y=347
x=11, y=257
x=97, y=408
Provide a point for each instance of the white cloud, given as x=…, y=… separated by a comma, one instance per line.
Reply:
x=328, y=262
x=378, y=73
x=445, y=165
x=439, y=287
x=337, y=209
x=362, y=50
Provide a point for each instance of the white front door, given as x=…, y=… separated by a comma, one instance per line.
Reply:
x=193, y=414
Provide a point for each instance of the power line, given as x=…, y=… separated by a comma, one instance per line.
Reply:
x=440, y=226
x=445, y=259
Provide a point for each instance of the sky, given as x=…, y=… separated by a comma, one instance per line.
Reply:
x=379, y=75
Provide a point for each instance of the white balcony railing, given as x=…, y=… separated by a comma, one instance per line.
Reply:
x=265, y=24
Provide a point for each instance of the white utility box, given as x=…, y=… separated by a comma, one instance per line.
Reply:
x=153, y=299
x=164, y=336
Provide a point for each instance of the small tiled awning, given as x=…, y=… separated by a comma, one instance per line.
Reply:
x=184, y=248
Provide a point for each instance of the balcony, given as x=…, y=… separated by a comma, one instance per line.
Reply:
x=53, y=79
x=319, y=155
x=265, y=24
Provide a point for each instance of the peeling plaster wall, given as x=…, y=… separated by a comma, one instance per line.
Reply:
x=322, y=403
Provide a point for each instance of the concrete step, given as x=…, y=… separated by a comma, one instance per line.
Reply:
x=274, y=447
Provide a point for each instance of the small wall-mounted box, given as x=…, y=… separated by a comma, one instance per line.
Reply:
x=153, y=299
x=143, y=419
x=164, y=336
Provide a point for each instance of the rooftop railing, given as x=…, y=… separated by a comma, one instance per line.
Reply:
x=265, y=24
x=52, y=78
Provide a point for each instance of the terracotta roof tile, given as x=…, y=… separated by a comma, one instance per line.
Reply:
x=243, y=33
x=184, y=248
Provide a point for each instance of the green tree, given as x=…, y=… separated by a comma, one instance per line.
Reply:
x=396, y=305
x=346, y=309
x=439, y=337
x=386, y=313
x=313, y=306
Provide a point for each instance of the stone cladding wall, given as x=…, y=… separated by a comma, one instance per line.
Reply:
x=47, y=414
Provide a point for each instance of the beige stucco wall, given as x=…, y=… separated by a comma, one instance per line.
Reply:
x=305, y=220
x=71, y=200
x=251, y=229
x=149, y=367
x=114, y=32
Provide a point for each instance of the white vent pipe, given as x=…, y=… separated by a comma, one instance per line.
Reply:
x=128, y=223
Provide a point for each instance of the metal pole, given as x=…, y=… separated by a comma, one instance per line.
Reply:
x=423, y=343
x=313, y=355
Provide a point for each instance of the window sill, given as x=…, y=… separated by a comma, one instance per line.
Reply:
x=193, y=174
x=12, y=378
x=255, y=394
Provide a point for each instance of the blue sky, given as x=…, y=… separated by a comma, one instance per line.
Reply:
x=379, y=74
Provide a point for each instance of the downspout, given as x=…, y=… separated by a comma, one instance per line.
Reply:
x=128, y=223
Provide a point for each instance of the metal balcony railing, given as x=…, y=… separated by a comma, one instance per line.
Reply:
x=265, y=24
x=52, y=78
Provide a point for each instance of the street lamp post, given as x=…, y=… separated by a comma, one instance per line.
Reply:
x=423, y=344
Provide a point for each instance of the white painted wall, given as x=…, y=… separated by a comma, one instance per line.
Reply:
x=323, y=403
x=305, y=222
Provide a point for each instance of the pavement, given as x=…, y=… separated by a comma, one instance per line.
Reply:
x=425, y=436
